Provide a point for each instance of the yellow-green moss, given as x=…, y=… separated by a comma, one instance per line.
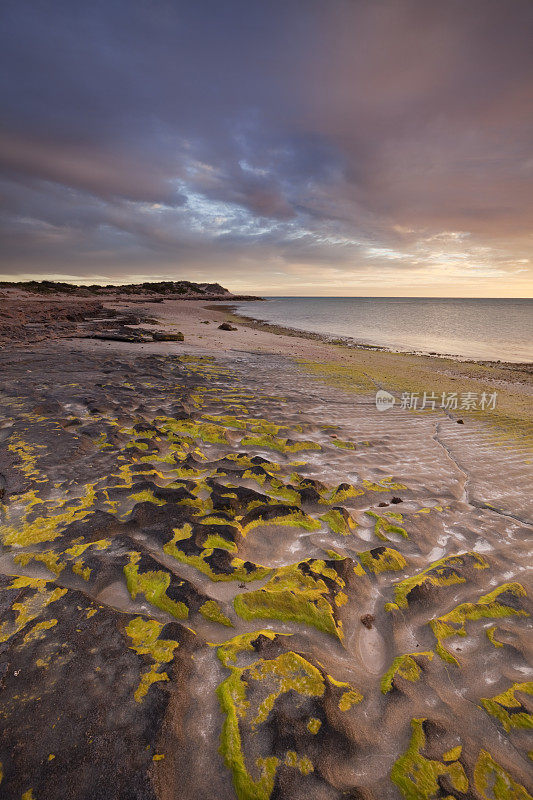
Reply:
x=194, y=429
x=491, y=636
x=26, y=454
x=232, y=698
x=339, y=495
x=344, y=445
x=302, y=763
x=487, y=607
x=285, y=673
x=214, y=541
x=211, y=611
x=388, y=560
x=146, y=496
x=31, y=606
x=37, y=632
x=508, y=709
x=383, y=526
x=292, y=672
x=494, y=783
x=228, y=651
x=270, y=442
x=406, y=667
x=24, y=533
x=314, y=725
x=333, y=555
x=417, y=777
x=144, y=634
x=153, y=585
x=349, y=698
x=49, y=558
x=239, y=572
x=297, y=519
x=57, y=561
x=444, y=572
x=338, y=523
x=294, y=596
x=453, y=754
x=384, y=485
x=279, y=489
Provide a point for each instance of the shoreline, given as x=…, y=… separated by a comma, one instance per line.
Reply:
x=347, y=365
x=349, y=341
x=208, y=496
x=351, y=367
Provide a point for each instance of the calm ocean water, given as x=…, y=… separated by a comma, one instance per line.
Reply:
x=485, y=329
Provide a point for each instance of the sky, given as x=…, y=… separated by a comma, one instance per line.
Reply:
x=288, y=147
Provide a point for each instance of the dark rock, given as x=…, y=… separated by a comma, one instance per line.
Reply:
x=168, y=337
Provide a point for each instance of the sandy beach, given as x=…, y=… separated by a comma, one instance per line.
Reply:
x=225, y=572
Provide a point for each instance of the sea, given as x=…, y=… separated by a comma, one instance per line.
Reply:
x=483, y=329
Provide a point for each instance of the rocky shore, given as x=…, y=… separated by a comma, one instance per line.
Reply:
x=224, y=573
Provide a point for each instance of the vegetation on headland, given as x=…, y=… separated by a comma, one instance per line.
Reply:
x=208, y=291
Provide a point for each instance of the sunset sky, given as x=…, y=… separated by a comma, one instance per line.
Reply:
x=290, y=147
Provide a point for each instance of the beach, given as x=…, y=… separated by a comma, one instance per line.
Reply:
x=225, y=572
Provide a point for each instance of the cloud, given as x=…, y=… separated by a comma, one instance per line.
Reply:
x=358, y=138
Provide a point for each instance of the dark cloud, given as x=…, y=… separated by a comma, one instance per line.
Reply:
x=349, y=138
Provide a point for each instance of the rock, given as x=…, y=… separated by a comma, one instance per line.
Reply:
x=368, y=620
x=168, y=337
x=227, y=327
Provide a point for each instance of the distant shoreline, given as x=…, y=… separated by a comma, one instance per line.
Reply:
x=172, y=326
x=351, y=342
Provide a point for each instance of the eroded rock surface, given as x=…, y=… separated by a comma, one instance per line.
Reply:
x=209, y=588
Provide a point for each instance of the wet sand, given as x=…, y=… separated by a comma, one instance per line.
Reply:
x=236, y=578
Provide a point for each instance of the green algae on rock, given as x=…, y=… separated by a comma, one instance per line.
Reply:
x=305, y=593
x=314, y=724
x=489, y=606
x=406, y=667
x=508, y=709
x=153, y=585
x=270, y=442
x=342, y=492
x=339, y=520
x=31, y=529
x=57, y=561
x=144, y=634
x=417, y=777
x=217, y=563
x=211, y=611
x=447, y=571
x=383, y=526
x=279, y=515
x=494, y=783
x=382, y=559
x=343, y=445
x=167, y=443
x=30, y=605
x=248, y=699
